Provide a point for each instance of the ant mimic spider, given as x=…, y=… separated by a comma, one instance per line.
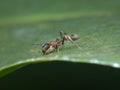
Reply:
x=49, y=47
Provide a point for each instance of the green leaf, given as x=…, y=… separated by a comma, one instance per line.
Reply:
x=97, y=24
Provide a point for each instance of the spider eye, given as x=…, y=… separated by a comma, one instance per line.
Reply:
x=74, y=37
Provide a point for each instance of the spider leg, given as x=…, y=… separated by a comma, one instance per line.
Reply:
x=58, y=50
x=73, y=42
x=61, y=34
x=63, y=40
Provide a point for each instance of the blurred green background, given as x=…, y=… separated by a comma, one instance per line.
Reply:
x=29, y=10
x=30, y=17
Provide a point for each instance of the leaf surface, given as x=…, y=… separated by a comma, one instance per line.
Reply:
x=98, y=26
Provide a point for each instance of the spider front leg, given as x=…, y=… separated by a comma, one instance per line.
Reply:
x=72, y=39
x=58, y=49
